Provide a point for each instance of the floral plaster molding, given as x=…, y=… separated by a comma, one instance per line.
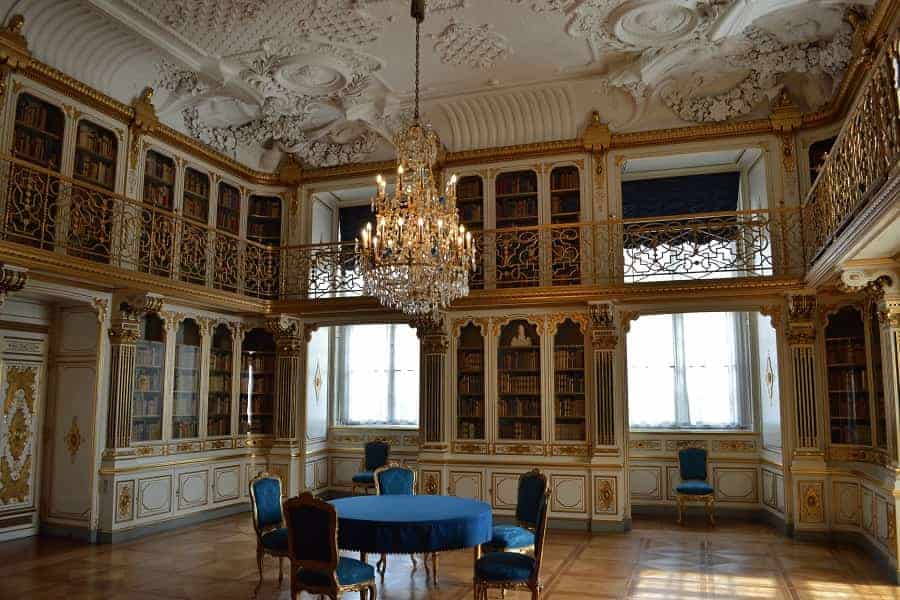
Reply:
x=471, y=45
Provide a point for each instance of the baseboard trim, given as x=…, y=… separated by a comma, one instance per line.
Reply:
x=72, y=532
x=112, y=537
x=610, y=526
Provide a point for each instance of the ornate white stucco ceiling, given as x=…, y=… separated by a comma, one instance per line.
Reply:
x=330, y=80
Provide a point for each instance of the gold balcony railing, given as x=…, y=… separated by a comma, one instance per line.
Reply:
x=48, y=211
x=760, y=243
x=865, y=153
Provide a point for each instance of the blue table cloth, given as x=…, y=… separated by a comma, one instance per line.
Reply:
x=411, y=524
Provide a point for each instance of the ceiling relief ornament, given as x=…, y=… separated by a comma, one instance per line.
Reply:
x=546, y=6
x=338, y=21
x=471, y=45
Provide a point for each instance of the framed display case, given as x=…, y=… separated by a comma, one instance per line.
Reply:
x=186, y=383
x=149, y=378
x=565, y=207
x=264, y=220
x=518, y=251
x=847, y=375
x=157, y=228
x=257, y=398
x=91, y=214
x=569, y=386
x=195, y=202
x=221, y=372
x=470, y=203
x=228, y=209
x=519, y=382
x=470, y=388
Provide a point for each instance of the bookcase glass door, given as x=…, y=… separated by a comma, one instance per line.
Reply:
x=221, y=368
x=195, y=203
x=91, y=213
x=157, y=227
x=149, y=377
x=518, y=250
x=565, y=207
x=186, y=390
x=31, y=208
x=195, y=240
x=257, y=383
x=228, y=209
x=470, y=204
x=848, y=393
x=264, y=220
x=519, y=382
x=570, y=406
x=470, y=383
x=877, y=371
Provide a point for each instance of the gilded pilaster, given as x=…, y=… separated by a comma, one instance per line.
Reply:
x=604, y=340
x=433, y=342
x=801, y=337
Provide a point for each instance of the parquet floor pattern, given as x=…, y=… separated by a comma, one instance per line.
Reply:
x=656, y=560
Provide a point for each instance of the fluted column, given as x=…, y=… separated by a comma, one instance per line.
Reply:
x=124, y=331
x=801, y=337
x=433, y=342
x=604, y=341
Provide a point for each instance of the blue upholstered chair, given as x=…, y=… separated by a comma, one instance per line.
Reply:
x=395, y=480
x=316, y=566
x=514, y=570
x=268, y=521
x=694, y=486
x=376, y=455
x=520, y=536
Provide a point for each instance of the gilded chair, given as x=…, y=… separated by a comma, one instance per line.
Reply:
x=694, y=486
x=395, y=480
x=268, y=521
x=316, y=565
x=514, y=570
x=519, y=537
x=376, y=456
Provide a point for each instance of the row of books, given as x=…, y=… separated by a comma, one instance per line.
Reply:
x=196, y=209
x=95, y=170
x=569, y=407
x=218, y=425
x=471, y=360
x=228, y=220
x=568, y=359
x=569, y=384
x=526, y=408
x=564, y=204
x=520, y=431
x=470, y=431
x=148, y=380
x=257, y=424
x=37, y=148
x=185, y=429
x=261, y=385
x=564, y=179
x=264, y=229
x=147, y=406
x=259, y=363
x=845, y=351
x=157, y=195
x=265, y=207
x=569, y=431
x=220, y=360
x=32, y=114
x=470, y=212
x=523, y=184
x=847, y=380
x=469, y=188
x=519, y=384
x=159, y=167
x=515, y=209
x=220, y=383
x=470, y=384
x=219, y=405
x=149, y=354
x=519, y=360
x=196, y=183
x=96, y=142
x=260, y=404
x=471, y=407
x=142, y=431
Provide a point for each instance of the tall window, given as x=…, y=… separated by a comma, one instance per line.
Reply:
x=690, y=370
x=378, y=374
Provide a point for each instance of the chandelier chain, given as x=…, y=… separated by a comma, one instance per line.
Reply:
x=416, y=117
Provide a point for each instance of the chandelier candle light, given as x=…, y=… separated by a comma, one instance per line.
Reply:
x=418, y=257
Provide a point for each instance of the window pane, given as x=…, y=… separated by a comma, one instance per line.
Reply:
x=711, y=369
x=651, y=372
x=406, y=375
x=367, y=362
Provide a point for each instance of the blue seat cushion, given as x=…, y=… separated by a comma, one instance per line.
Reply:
x=349, y=571
x=694, y=488
x=268, y=501
x=276, y=540
x=509, y=537
x=364, y=477
x=504, y=566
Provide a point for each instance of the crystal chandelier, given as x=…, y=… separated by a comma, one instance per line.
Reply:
x=418, y=257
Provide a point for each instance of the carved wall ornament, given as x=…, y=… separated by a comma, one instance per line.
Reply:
x=73, y=439
x=675, y=445
x=125, y=501
x=603, y=328
x=811, y=507
x=645, y=444
x=770, y=379
x=471, y=45
x=317, y=382
x=12, y=279
x=734, y=445
x=17, y=433
x=605, y=495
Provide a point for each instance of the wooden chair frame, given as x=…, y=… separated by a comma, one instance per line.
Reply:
x=533, y=583
x=261, y=550
x=366, y=589
x=708, y=499
x=532, y=528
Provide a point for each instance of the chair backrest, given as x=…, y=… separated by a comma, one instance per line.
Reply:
x=532, y=487
x=692, y=463
x=394, y=480
x=540, y=532
x=312, y=535
x=376, y=454
x=265, y=499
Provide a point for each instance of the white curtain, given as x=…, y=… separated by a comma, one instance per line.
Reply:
x=689, y=370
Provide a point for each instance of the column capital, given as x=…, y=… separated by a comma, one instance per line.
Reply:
x=291, y=334
x=432, y=334
x=12, y=279
x=801, y=329
x=604, y=333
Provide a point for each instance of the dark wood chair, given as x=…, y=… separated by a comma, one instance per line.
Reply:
x=375, y=456
x=268, y=522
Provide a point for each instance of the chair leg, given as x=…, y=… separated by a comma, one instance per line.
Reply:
x=434, y=567
x=259, y=566
x=412, y=557
x=680, y=502
x=711, y=510
x=381, y=565
x=373, y=593
x=280, y=570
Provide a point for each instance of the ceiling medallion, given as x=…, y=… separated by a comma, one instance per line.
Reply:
x=418, y=257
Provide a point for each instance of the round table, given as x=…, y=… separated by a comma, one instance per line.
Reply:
x=412, y=524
